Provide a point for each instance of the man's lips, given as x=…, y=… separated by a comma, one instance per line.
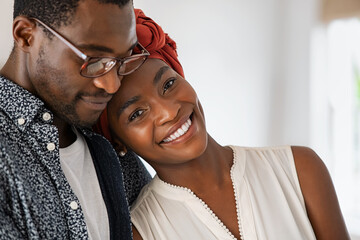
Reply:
x=178, y=130
x=97, y=103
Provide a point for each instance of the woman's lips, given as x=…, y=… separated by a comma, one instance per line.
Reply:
x=179, y=132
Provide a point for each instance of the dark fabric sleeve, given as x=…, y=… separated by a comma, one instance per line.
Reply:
x=10, y=225
x=135, y=174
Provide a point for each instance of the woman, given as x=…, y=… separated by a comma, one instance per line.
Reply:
x=203, y=190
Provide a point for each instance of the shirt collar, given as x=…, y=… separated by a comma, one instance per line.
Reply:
x=22, y=106
x=19, y=104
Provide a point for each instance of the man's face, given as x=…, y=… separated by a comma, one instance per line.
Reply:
x=54, y=69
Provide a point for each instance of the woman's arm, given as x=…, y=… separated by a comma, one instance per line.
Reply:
x=136, y=234
x=319, y=194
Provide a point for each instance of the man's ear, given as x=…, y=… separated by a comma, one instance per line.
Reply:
x=23, y=32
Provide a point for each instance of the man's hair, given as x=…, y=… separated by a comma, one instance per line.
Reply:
x=53, y=12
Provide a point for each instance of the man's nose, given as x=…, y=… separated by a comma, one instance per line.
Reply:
x=110, y=82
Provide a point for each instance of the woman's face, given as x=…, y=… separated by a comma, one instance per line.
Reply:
x=157, y=114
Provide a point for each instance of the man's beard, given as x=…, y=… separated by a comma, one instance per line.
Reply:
x=49, y=80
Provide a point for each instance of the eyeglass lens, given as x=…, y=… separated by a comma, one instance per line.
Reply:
x=130, y=65
x=100, y=66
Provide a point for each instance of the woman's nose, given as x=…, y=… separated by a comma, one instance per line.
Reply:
x=166, y=111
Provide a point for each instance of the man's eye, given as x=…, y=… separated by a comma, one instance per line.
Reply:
x=135, y=115
x=168, y=84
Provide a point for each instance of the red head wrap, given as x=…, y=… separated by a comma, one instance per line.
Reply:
x=159, y=44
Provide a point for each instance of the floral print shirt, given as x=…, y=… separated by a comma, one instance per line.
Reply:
x=36, y=201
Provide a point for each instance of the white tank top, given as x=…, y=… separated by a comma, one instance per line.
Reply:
x=270, y=205
x=78, y=167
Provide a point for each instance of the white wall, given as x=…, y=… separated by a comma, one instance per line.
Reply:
x=6, y=9
x=248, y=61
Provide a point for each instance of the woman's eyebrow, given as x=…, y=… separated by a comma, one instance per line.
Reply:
x=133, y=100
x=127, y=104
x=159, y=73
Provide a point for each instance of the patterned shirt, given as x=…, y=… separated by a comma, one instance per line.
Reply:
x=36, y=201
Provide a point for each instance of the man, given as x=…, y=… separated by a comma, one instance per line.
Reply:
x=58, y=180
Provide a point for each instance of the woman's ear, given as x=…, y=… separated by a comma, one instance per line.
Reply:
x=120, y=148
x=23, y=32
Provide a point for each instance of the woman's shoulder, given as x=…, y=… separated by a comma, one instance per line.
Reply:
x=262, y=163
x=307, y=160
x=150, y=194
x=310, y=168
x=257, y=155
x=263, y=150
x=319, y=194
x=298, y=161
x=143, y=195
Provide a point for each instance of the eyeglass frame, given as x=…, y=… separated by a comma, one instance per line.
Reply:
x=87, y=58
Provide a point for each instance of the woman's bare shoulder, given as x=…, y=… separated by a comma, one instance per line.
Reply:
x=319, y=194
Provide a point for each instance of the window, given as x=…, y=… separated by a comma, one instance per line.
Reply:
x=335, y=100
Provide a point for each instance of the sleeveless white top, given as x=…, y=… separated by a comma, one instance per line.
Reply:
x=270, y=205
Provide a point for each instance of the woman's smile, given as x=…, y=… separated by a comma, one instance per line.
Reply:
x=179, y=132
x=182, y=132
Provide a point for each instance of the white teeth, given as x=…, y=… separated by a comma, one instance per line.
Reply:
x=184, y=127
x=179, y=132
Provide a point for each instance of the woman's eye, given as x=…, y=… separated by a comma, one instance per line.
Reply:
x=135, y=115
x=168, y=84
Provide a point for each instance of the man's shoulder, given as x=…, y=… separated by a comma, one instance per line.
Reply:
x=8, y=129
x=11, y=141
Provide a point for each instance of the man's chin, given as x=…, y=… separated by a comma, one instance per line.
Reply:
x=85, y=124
x=82, y=123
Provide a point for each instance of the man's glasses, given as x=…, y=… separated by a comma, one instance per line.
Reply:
x=97, y=66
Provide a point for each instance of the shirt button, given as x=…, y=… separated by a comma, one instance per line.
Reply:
x=74, y=205
x=46, y=116
x=50, y=146
x=21, y=121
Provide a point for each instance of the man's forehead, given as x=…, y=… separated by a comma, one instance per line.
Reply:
x=105, y=26
x=93, y=12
